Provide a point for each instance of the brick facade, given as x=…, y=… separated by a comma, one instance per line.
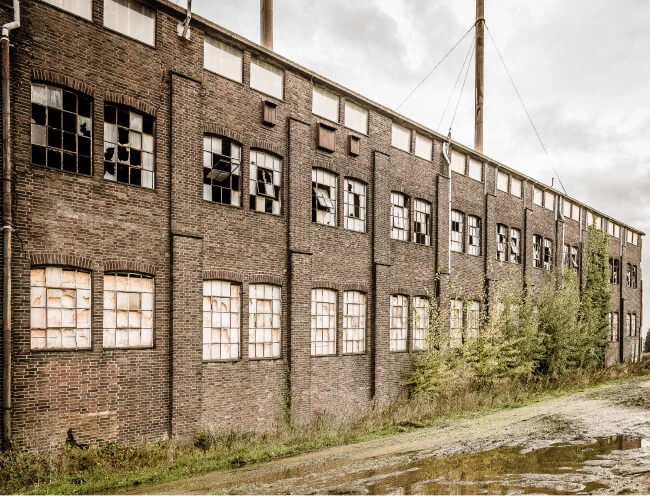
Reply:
x=170, y=233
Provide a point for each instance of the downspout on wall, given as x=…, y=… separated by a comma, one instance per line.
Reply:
x=7, y=170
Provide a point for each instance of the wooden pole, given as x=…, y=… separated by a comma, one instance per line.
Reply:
x=479, y=75
x=266, y=23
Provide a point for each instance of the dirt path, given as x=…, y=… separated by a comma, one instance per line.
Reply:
x=618, y=409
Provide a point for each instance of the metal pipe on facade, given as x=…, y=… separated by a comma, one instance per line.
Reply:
x=7, y=170
x=266, y=23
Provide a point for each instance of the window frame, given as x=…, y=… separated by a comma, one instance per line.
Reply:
x=127, y=7
x=225, y=54
x=61, y=4
x=271, y=335
x=474, y=235
x=548, y=254
x=537, y=251
x=324, y=305
x=456, y=236
x=400, y=137
x=267, y=78
x=399, y=216
x=351, y=192
x=325, y=97
x=422, y=222
x=353, y=115
x=398, y=332
x=354, y=336
x=271, y=178
x=231, y=340
x=324, y=197
x=502, y=242
x=515, y=254
x=455, y=323
x=217, y=145
x=420, y=323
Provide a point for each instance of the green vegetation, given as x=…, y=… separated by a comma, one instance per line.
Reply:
x=646, y=346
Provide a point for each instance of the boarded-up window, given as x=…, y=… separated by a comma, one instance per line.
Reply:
x=515, y=186
x=221, y=320
x=423, y=147
x=401, y=138
x=502, y=181
x=128, y=311
x=326, y=137
x=356, y=118
x=325, y=104
x=82, y=8
x=457, y=162
x=131, y=18
x=222, y=59
x=549, y=200
x=475, y=169
x=267, y=78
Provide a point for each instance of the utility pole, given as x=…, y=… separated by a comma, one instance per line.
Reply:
x=479, y=73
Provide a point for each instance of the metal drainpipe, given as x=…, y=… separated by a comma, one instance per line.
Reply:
x=7, y=170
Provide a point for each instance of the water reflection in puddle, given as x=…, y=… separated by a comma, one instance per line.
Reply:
x=502, y=470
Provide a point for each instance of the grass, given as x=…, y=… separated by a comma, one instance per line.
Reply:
x=114, y=468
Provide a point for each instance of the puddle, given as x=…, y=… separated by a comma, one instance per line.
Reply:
x=557, y=469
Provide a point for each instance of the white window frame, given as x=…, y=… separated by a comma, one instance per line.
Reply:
x=356, y=118
x=398, y=323
x=60, y=308
x=455, y=323
x=420, y=322
x=423, y=147
x=267, y=78
x=515, y=245
x=221, y=320
x=223, y=59
x=265, y=185
x=401, y=137
x=473, y=319
x=422, y=222
x=325, y=104
x=502, y=242
x=81, y=8
x=473, y=235
x=128, y=310
x=264, y=320
x=324, y=197
x=354, y=322
x=399, y=216
x=323, y=321
x=117, y=12
x=456, y=236
x=354, y=204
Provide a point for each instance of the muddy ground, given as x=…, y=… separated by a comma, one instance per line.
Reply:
x=384, y=465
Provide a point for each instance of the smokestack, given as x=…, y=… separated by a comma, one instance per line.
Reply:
x=266, y=23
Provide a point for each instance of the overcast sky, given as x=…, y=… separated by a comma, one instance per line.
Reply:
x=581, y=67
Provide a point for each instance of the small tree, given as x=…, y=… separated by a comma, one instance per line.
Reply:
x=646, y=348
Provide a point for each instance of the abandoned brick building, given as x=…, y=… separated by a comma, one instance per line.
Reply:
x=204, y=231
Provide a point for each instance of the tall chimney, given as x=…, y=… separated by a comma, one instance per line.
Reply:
x=266, y=23
x=479, y=72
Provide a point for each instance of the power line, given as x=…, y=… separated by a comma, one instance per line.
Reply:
x=451, y=93
x=521, y=100
x=435, y=67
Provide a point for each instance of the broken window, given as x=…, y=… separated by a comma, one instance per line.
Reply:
x=82, y=8
x=265, y=182
x=401, y=137
x=61, y=129
x=264, y=311
x=502, y=242
x=222, y=59
x=354, y=322
x=548, y=254
x=455, y=323
x=473, y=235
x=422, y=222
x=398, y=322
x=60, y=308
x=399, y=214
x=132, y=19
x=473, y=320
x=423, y=147
x=323, y=197
x=633, y=276
x=221, y=320
x=456, y=231
x=574, y=258
x=614, y=265
x=128, y=146
x=354, y=205
x=613, y=330
x=323, y=322
x=420, y=322
x=502, y=181
x=628, y=324
x=356, y=118
x=565, y=255
x=221, y=170
x=632, y=324
x=515, y=245
x=267, y=78
x=128, y=310
x=537, y=251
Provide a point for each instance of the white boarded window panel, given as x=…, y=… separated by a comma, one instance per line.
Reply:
x=538, y=197
x=60, y=308
x=549, y=198
x=398, y=322
x=502, y=181
x=267, y=78
x=82, y=8
x=354, y=205
x=354, y=322
x=566, y=209
x=264, y=311
x=423, y=147
x=131, y=18
x=610, y=228
x=128, y=311
x=420, y=322
x=222, y=59
x=475, y=169
x=221, y=320
x=515, y=187
x=325, y=104
x=575, y=212
x=401, y=138
x=473, y=319
x=455, y=323
x=617, y=231
x=356, y=118
x=323, y=322
x=457, y=162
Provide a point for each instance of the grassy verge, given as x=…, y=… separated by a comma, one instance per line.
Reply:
x=114, y=468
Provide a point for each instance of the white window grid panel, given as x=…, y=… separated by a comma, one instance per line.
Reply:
x=515, y=245
x=473, y=235
x=354, y=205
x=324, y=197
x=264, y=325
x=398, y=323
x=502, y=242
x=354, y=322
x=614, y=327
x=128, y=310
x=60, y=301
x=221, y=320
x=265, y=182
x=420, y=322
x=422, y=222
x=399, y=213
x=221, y=170
x=323, y=322
x=456, y=231
x=455, y=323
